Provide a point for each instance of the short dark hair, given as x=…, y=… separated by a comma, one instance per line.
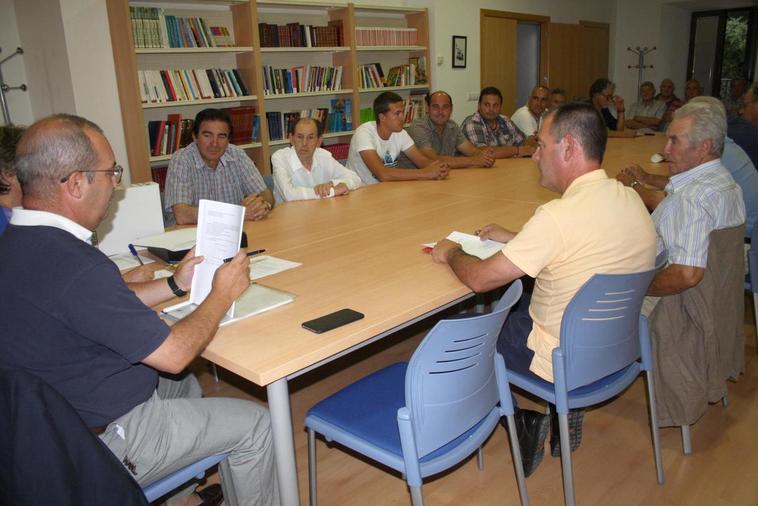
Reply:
x=428, y=97
x=212, y=115
x=383, y=101
x=558, y=91
x=585, y=124
x=599, y=86
x=490, y=90
x=312, y=121
x=9, y=137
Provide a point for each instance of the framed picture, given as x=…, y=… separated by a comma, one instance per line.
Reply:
x=459, y=52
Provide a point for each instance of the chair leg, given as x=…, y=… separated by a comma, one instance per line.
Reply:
x=725, y=401
x=517, y=464
x=480, y=459
x=416, y=498
x=686, y=440
x=568, y=477
x=215, y=371
x=312, y=466
x=755, y=310
x=654, y=427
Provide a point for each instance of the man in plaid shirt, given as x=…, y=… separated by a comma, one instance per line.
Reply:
x=488, y=128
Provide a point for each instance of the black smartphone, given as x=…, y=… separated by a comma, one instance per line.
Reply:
x=332, y=320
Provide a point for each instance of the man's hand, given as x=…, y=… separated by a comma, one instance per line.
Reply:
x=323, y=189
x=495, y=232
x=341, y=189
x=619, y=103
x=436, y=170
x=256, y=208
x=233, y=277
x=625, y=179
x=526, y=150
x=139, y=274
x=636, y=172
x=443, y=249
x=486, y=157
x=186, y=269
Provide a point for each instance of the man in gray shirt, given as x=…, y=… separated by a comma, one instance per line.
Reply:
x=440, y=138
x=648, y=112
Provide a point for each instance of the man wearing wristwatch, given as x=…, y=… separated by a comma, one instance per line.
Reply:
x=212, y=168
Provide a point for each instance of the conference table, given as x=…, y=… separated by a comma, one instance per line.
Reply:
x=364, y=251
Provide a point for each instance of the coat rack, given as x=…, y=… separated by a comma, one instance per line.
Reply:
x=640, y=52
x=5, y=88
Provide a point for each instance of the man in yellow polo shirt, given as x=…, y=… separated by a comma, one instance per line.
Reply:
x=597, y=226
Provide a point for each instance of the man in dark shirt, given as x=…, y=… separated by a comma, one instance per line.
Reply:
x=69, y=318
x=744, y=129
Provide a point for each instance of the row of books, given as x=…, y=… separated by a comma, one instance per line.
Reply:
x=190, y=84
x=384, y=36
x=338, y=118
x=302, y=79
x=152, y=28
x=299, y=35
x=167, y=136
x=407, y=75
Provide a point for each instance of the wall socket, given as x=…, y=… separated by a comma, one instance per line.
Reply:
x=440, y=60
x=473, y=96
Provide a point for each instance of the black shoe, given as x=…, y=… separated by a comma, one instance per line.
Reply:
x=211, y=495
x=532, y=429
x=575, y=417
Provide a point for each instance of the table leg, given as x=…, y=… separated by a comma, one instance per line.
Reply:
x=284, y=446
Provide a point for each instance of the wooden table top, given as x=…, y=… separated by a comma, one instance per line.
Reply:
x=363, y=251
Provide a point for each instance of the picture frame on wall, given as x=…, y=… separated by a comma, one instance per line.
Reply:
x=459, y=52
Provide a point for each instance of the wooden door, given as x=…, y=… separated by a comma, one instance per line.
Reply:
x=578, y=56
x=498, y=57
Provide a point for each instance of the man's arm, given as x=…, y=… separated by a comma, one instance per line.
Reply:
x=185, y=214
x=189, y=337
x=430, y=170
x=154, y=292
x=650, y=197
x=675, y=279
x=512, y=151
x=478, y=275
x=258, y=205
x=457, y=162
x=644, y=122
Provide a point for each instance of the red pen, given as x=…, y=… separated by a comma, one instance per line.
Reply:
x=426, y=249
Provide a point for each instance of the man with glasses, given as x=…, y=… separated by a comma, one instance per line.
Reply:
x=602, y=97
x=70, y=319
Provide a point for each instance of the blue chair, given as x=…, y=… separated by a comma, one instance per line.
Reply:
x=604, y=345
x=196, y=470
x=751, y=278
x=423, y=417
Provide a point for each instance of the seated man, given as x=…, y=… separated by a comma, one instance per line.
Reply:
x=439, y=138
x=570, y=148
x=488, y=128
x=376, y=145
x=527, y=117
x=734, y=159
x=701, y=196
x=692, y=89
x=671, y=101
x=744, y=128
x=733, y=101
x=557, y=98
x=648, y=112
x=10, y=190
x=601, y=97
x=306, y=171
x=211, y=168
x=70, y=319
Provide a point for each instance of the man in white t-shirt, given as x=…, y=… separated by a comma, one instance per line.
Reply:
x=376, y=146
x=527, y=117
x=305, y=171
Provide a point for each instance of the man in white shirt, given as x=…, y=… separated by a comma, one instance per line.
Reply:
x=527, y=117
x=376, y=145
x=305, y=171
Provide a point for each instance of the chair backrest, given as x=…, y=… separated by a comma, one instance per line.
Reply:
x=752, y=260
x=600, y=327
x=450, y=384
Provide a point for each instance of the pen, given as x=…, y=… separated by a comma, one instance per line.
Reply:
x=134, y=252
x=249, y=254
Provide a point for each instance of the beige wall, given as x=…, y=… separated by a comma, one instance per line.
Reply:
x=14, y=70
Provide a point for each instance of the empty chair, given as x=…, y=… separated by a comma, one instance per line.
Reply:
x=425, y=416
x=604, y=345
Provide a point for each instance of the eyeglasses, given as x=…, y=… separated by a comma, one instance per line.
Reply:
x=116, y=172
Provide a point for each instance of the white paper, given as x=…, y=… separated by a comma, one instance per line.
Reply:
x=473, y=245
x=128, y=261
x=163, y=273
x=219, y=231
x=176, y=240
x=265, y=265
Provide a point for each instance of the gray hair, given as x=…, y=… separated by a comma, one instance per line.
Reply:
x=647, y=84
x=709, y=122
x=51, y=149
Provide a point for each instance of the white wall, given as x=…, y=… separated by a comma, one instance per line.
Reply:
x=14, y=71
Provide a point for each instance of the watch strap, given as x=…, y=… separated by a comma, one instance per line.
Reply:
x=174, y=287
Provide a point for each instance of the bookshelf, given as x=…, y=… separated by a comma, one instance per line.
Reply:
x=242, y=18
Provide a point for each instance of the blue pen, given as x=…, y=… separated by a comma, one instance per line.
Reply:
x=134, y=252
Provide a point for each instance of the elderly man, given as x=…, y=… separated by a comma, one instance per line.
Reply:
x=733, y=157
x=557, y=98
x=376, y=146
x=672, y=102
x=488, y=128
x=527, y=117
x=647, y=112
x=744, y=128
x=212, y=168
x=733, y=101
x=305, y=171
x=601, y=96
x=98, y=343
x=570, y=147
x=440, y=138
x=692, y=89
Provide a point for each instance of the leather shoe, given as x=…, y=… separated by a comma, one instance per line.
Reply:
x=212, y=495
x=532, y=428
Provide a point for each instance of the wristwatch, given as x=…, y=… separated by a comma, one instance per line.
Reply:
x=175, y=288
x=635, y=183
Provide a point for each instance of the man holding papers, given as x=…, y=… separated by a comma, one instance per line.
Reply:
x=69, y=318
x=305, y=171
x=211, y=168
x=597, y=226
